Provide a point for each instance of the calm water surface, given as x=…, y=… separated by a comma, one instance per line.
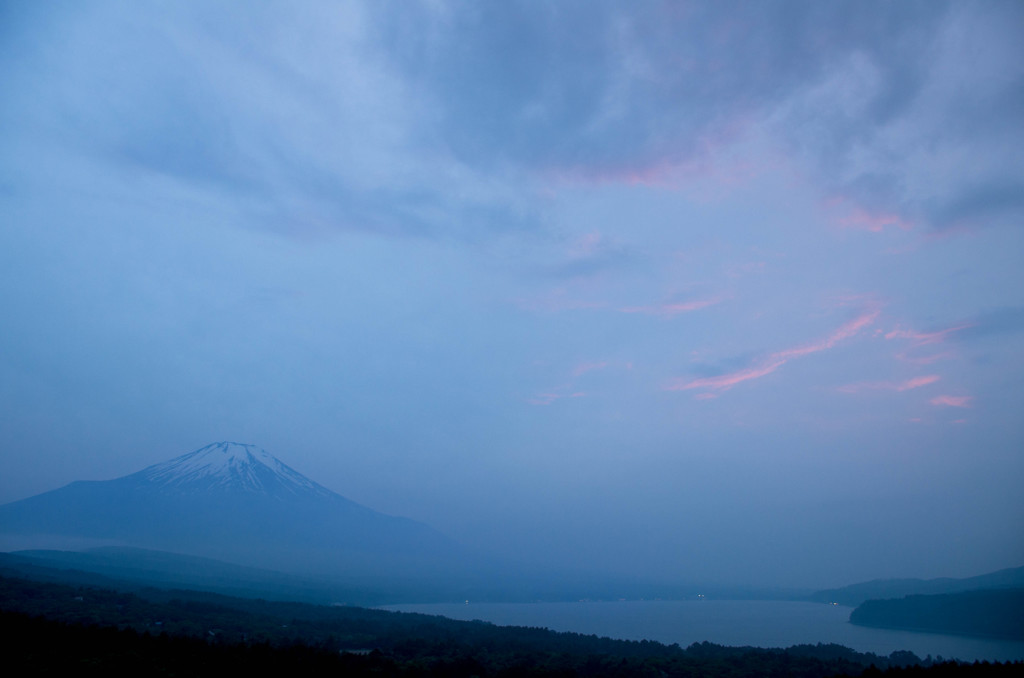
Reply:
x=726, y=622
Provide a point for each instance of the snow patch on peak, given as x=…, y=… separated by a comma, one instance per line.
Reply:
x=231, y=466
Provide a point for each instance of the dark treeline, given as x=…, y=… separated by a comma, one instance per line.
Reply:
x=995, y=613
x=54, y=629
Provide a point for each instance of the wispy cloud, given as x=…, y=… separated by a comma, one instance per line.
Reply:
x=922, y=339
x=591, y=255
x=951, y=401
x=748, y=268
x=583, y=368
x=907, y=385
x=568, y=389
x=727, y=381
x=861, y=219
x=925, y=360
x=875, y=223
x=925, y=338
x=670, y=309
x=556, y=301
x=776, y=360
x=550, y=397
x=845, y=331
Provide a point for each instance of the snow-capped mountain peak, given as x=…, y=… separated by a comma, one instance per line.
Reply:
x=230, y=466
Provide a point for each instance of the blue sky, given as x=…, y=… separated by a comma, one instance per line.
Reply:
x=722, y=291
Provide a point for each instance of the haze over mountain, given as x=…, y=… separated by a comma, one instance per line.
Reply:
x=240, y=504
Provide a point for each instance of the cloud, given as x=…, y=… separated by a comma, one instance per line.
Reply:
x=952, y=401
x=551, y=397
x=589, y=255
x=367, y=120
x=727, y=381
x=588, y=89
x=859, y=218
x=925, y=360
x=670, y=309
x=317, y=133
x=919, y=339
x=583, y=368
x=587, y=245
x=776, y=360
x=999, y=321
x=979, y=206
x=892, y=122
x=916, y=382
x=557, y=301
x=846, y=331
x=568, y=390
x=925, y=338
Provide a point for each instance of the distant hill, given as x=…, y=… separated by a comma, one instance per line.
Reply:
x=856, y=594
x=131, y=569
x=995, y=613
x=237, y=503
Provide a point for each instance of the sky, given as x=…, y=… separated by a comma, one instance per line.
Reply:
x=705, y=291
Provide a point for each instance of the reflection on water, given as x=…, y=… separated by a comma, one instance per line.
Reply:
x=726, y=622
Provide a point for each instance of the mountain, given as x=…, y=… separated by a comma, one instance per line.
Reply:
x=855, y=594
x=237, y=503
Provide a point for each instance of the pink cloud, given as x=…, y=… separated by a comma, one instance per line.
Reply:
x=726, y=381
x=845, y=331
x=916, y=382
x=721, y=160
x=672, y=309
x=657, y=175
x=739, y=270
x=926, y=359
x=876, y=223
x=583, y=368
x=548, y=398
x=846, y=213
x=952, y=401
x=925, y=338
x=776, y=360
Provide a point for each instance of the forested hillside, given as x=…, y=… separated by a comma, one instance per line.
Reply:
x=193, y=634
x=996, y=613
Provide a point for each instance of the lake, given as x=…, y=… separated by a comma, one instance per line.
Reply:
x=760, y=623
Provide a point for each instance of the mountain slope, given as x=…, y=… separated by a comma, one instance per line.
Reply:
x=994, y=613
x=237, y=503
x=133, y=569
x=855, y=594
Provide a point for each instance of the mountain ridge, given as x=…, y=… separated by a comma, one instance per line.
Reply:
x=856, y=594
